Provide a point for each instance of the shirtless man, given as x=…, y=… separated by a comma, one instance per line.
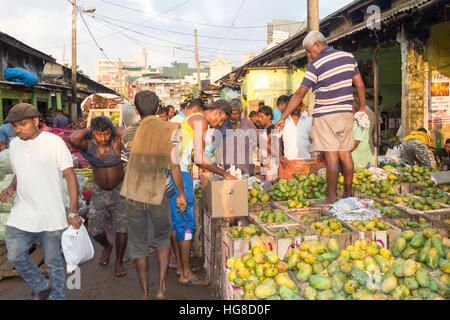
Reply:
x=100, y=145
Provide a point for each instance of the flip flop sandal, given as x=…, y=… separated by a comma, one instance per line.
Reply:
x=173, y=265
x=193, y=269
x=104, y=261
x=192, y=283
x=120, y=272
x=40, y=295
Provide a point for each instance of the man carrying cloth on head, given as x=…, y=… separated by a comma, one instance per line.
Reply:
x=147, y=150
x=100, y=145
x=330, y=75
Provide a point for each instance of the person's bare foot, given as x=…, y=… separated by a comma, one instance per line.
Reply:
x=145, y=297
x=324, y=203
x=161, y=296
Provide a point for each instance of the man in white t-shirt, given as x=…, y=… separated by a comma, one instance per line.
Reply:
x=296, y=136
x=39, y=161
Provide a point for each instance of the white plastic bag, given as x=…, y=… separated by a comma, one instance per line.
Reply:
x=351, y=209
x=394, y=154
x=77, y=247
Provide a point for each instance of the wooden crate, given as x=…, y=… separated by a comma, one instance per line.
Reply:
x=283, y=206
x=267, y=206
x=444, y=208
x=343, y=239
x=285, y=243
x=36, y=256
x=237, y=247
x=103, y=112
x=385, y=238
x=434, y=224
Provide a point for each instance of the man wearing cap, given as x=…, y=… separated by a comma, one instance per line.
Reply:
x=39, y=160
x=100, y=144
x=192, y=148
x=240, y=141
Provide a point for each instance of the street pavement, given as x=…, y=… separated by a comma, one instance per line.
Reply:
x=100, y=283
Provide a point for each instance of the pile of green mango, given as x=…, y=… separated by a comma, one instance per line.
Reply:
x=262, y=275
x=274, y=216
x=282, y=232
x=422, y=204
x=412, y=224
x=249, y=231
x=299, y=188
x=307, y=218
x=336, y=275
x=387, y=210
x=257, y=194
x=435, y=194
x=411, y=280
x=425, y=247
x=418, y=175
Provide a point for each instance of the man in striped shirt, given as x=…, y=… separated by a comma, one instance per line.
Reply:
x=330, y=75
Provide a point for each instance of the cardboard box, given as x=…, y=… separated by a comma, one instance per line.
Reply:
x=225, y=199
x=207, y=242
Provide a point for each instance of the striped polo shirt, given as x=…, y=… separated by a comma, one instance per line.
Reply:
x=330, y=77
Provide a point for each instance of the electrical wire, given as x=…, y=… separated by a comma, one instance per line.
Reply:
x=178, y=32
x=96, y=43
x=232, y=24
x=195, y=22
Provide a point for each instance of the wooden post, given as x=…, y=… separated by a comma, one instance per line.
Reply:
x=376, y=80
x=1, y=110
x=198, y=62
x=405, y=82
x=58, y=101
x=74, y=61
x=313, y=24
x=120, y=77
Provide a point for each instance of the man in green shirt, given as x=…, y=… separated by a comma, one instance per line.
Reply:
x=361, y=154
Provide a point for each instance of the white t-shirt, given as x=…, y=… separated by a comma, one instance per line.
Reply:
x=38, y=165
x=297, y=138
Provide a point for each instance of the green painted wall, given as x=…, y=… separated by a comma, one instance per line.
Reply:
x=389, y=61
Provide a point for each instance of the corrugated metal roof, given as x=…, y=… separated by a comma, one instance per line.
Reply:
x=289, y=43
x=22, y=46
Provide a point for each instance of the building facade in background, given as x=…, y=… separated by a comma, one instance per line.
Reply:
x=219, y=66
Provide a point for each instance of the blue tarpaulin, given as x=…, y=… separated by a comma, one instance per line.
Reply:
x=21, y=76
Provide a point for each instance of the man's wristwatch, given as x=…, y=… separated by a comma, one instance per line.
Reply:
x=72, y=214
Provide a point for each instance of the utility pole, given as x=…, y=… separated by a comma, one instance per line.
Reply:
x=73, y=112
x=120, y=77
x=179, y=75
x=198, y=62
x=313, y=24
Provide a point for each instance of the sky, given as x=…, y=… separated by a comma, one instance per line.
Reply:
x=164, y=27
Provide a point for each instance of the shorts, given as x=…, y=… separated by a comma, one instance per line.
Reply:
x=333, y=132
x=104, y=202
x=137, y=214
x=417, y=152
x=183, y=224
